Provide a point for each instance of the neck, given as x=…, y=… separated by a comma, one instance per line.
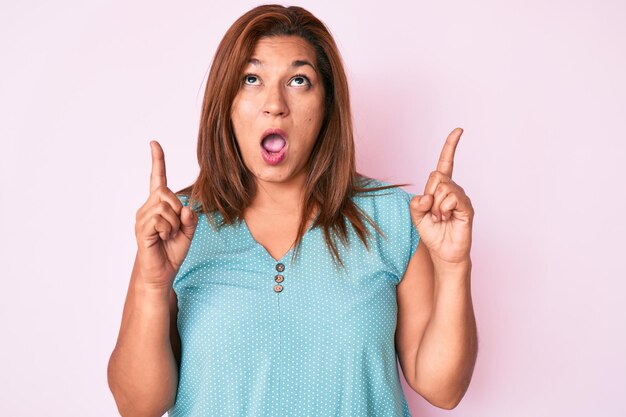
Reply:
x=279, y=197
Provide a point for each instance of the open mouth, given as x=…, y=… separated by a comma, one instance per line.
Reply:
x=273, y=143
x=273, y=146
x=273, y=140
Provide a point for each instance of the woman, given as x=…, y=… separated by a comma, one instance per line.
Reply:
x=282, y=282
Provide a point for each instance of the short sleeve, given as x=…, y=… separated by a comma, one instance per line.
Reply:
x=410, y=232
x=184, y=199
x=393, y=215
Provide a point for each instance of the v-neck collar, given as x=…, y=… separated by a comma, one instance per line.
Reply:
x=266, y=252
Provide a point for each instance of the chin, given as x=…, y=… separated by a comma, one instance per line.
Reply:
x=272, y=176
x=277, y=175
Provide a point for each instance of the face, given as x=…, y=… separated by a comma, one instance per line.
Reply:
x=278, y=111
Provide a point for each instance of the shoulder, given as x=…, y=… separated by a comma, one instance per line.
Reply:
x=389, y=198
x=390, y=209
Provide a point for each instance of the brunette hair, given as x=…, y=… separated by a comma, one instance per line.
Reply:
x=224, y=183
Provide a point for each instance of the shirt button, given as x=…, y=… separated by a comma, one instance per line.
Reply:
x=280, y=267
x=279, y=278
x=278, y=288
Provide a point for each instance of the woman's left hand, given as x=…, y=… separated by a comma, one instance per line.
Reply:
x=443, y=215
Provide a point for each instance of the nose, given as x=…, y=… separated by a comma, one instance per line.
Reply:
x=275, y=103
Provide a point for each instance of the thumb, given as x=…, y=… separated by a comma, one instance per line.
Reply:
x=189, y=221
x=420, y=206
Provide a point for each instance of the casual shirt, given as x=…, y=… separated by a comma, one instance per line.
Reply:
x=266, y=337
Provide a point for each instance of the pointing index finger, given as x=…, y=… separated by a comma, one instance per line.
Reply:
x=446, y=159
x=157, y=176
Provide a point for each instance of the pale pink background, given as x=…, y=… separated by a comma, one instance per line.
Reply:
x=538, y=87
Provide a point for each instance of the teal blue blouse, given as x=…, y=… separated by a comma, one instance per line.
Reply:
x=264, y=337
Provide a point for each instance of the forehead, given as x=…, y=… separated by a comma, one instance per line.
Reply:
x=269, y=50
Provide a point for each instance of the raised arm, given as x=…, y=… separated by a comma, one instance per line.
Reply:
x=436, y=335
x=143, y=370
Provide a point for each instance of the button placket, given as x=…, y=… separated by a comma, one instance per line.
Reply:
x=279, y=278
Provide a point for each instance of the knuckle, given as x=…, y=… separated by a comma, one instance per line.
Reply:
x=154, y=220
x=162, y=206
x=177, y=205
x=161, y=225
x=161, y=190
x=157, y=220
x=443, y=189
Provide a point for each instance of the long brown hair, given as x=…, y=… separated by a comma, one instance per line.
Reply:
x=225, y=185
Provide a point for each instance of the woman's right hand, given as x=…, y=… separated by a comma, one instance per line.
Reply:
x=164, y=229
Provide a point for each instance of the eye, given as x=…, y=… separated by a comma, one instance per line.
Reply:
x=301, y=80
x=250, y=79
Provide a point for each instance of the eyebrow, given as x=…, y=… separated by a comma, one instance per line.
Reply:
x=295, y=64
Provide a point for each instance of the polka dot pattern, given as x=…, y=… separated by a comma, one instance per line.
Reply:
x=321, y=346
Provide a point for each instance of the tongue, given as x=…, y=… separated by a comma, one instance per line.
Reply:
x=273, y=143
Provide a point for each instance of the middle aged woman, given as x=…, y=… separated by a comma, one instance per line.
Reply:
x=293, y=281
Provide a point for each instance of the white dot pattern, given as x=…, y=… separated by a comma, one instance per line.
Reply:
x=323, y=346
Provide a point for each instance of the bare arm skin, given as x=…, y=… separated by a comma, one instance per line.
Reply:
x=436, y=336
x=143, y=368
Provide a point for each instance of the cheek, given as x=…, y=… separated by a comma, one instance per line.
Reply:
x=311, y=112
x=242, y=119
x=244, y=105
x=246, y=108
x=314, y=117
x=311, y=124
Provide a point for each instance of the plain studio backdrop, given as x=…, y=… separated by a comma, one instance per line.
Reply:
x=538, y=87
